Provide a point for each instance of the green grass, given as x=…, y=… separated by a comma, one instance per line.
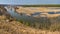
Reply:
x=42, y=5
x=52, y=24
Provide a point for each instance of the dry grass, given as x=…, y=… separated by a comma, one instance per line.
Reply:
x=36, y=9
x=14, y=27
x=32, y=10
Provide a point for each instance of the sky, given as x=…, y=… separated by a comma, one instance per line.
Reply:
x=29, y=2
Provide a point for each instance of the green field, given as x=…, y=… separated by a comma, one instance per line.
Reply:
x=42, y=5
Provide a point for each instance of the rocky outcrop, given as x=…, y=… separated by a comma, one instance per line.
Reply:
x=3, y=11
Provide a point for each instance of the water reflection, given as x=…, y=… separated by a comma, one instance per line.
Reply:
x=36, y=14
x=51, y=13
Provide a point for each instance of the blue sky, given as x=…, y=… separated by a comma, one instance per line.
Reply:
x=28, y=2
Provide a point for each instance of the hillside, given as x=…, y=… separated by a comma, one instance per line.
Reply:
x=15, y=27
x=10, y=25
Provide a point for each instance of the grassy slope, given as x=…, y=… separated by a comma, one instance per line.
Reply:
x=15, y=27
x=11, y=26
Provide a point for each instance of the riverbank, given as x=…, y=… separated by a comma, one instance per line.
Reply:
x=39, y=11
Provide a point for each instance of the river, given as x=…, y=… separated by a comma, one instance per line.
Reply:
x=23, y=17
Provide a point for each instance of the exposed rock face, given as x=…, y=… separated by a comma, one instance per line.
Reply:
x=3, y=11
